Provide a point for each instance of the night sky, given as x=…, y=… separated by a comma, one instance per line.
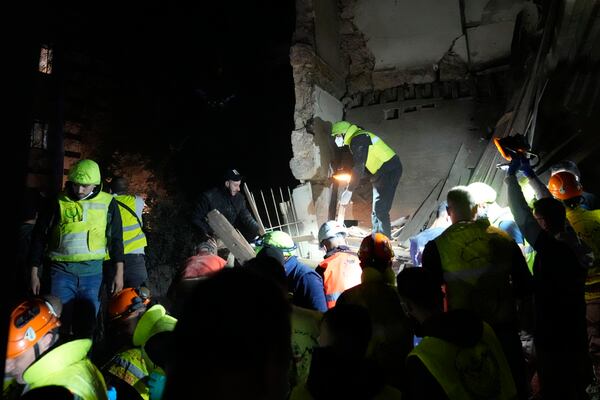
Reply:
x=193, y=82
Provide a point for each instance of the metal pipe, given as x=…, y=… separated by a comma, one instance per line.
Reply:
x=275, y=205
x=266, y=209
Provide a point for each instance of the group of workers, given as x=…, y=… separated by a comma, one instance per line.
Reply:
x=482, y=279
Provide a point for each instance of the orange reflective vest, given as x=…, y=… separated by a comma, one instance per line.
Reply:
x=341, y=271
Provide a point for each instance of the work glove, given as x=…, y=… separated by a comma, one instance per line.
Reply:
x=345, y=197
x=526, y=168
x=156, y=385
x=514, y=166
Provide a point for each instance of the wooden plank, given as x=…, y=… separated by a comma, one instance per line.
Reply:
x=422, y=214
x=254, y=209
x=232, y=238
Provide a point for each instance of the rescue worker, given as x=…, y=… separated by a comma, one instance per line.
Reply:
x=304, y=283
x=228, y=200
x=483, y=270
x=382, y=165
x=589, y=200
x=133, y=325
x=559, y=273
x=459, y=356
x=232, y=341
x=340, y=268
x=418, y=242
x=76, y=235
x=32, y=359
x=339, y=367
x=566, y=187
x=392, y=337
x=131, y=207
x=499, y=217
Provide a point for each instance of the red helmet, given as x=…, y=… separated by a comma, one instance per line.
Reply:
x=29, y=322
x=375, y=250
x=127, y=301
x=564, y=185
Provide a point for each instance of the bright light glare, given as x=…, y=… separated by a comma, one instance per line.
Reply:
x=343, y=177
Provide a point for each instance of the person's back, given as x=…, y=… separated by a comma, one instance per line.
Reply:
x=459, y=356
x=418, y=242
x=339, y=368
x=232, y=340
x=392, y=337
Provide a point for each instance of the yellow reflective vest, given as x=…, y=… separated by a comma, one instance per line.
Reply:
x=587, y=225
x=133, y=236
x=80, y=234
x=528, y=250
x=478, y=372
x=69, y=367
x=130, y=366
x=379, y=152
x=476, y=260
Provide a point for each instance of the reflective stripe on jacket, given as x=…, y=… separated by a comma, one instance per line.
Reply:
x=133, y=236
x=130, y=367
x=68, y=366
x=476, y=260
x=379, y=152
x=478, y=372
x=587, y=225
x=341, y=271
x=80, y=234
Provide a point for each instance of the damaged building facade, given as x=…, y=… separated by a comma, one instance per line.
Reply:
x=436, y=81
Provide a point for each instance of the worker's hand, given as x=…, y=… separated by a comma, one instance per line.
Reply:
x=514, y=166
x=526, y=168
x=345, y=197
x=35, y=281
x=117, y=283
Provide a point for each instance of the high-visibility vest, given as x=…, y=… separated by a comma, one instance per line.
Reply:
x=80, y=234
x=379, y=152
x=130, y=366
x=68, y=366
x=528, y=250
x=478, y=372
x=133, y=236
x=476, y=261
x=587, y=225
x=341, y=271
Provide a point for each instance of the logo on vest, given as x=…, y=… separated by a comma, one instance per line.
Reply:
x=479, y=372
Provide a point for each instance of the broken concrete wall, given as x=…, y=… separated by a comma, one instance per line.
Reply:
x=426, y=131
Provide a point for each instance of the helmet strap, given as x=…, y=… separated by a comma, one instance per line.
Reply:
x=36, y=349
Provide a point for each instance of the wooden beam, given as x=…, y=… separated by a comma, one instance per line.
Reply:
x=422, y=214
x=233, y=239
x=261, y=227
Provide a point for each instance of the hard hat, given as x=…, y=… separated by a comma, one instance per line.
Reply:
x=482, y=193
x=375, y=249
x=340, y=128
x=564, y=185
x=330, y=229
x=29, y=322
x=127, y=301
x=154, y=321
x=278, y=239
x=85, y=172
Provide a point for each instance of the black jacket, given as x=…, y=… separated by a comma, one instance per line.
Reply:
x=232, y=207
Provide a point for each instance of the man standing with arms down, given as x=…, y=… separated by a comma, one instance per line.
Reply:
x=81, y=227
x=228, y=201
x=383, y=165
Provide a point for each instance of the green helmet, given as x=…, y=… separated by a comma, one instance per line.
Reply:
x=279, y=240
x=85, y=172
x=340, y=128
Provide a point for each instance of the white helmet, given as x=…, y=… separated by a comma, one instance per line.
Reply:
x=482, y=193
x=330, y=229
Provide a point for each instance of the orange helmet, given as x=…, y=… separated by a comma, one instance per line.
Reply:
x=127, y=301
x=564, y=185
x=375, y=249
x=29, y=322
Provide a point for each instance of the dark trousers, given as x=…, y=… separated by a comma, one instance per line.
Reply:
x=384, y=190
